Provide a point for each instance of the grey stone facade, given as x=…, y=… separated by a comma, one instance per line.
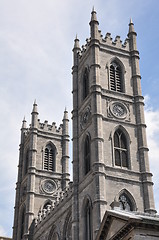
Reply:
x=110, y=154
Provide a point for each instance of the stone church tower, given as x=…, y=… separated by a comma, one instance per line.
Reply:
x=110, y=154
x=43, y=170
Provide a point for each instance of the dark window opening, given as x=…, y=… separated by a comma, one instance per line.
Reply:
x=85, y=83
x=120, y=149
x=87, y=154
x=116, y=77
x=26, y=162
x=49, y=158
x=88, y=225
x=22, y=223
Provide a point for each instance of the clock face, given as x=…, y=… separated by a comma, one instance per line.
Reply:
x=48, y=186
x=119, y=110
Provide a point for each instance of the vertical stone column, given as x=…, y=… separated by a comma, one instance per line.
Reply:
x=75, y=130
x=31, y=171
x=97, y=124
x=65, y=151
x=140, y=122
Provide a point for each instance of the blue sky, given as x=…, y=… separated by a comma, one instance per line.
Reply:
x=36, y=40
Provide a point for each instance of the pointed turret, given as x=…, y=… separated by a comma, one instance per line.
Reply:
x=94, y=25
x=34, y=113
x=76, y=50
x=24, y=124
x=131, y=27
x=132, y=36
x=23, y=130
x=76, y=44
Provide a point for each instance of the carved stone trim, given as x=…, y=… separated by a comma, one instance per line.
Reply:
x=118, y=110
x=85, y=117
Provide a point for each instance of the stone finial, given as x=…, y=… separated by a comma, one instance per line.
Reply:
x=24, y=123
x=65, y=114
x=34, y=121
x=76, y=44
x=131, y=26
x=94, y=15
x=35, y=109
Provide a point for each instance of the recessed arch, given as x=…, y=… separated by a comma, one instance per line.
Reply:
x=54, y=233
x=49, y=157
x=116, y=72
x=85, y=82
x=87, y=217
x=121, y=147
x=26, y=162
x=22, y=220
x=127, y=201
x=86, y=149
x=67, y=230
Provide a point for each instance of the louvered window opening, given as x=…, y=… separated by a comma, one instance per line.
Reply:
x=115, y=78
x=49, y=159
x=120, y=149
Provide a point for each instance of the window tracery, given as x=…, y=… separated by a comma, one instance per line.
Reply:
x=120, y=149
x=125, y=203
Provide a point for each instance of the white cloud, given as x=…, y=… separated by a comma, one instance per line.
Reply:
x=152, y=121
x=2, y=231
x=36, y=39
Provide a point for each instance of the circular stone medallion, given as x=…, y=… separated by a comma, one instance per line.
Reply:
x=48, y=186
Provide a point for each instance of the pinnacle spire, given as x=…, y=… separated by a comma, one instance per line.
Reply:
x=131, y=26
x=65, y=117
x=94, y=15
x=35, y=109
x=131, y=22
x=24, y=123
x=76, y=44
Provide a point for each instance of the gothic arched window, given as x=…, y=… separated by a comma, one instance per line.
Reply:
x=22, y=223
x=26, y=162
x=116, y=77
x=49, y=158
x=67, y=230
x=88, y=221
x=125, y=203
x=87, y=157
x=120, y=149
x=85, y=83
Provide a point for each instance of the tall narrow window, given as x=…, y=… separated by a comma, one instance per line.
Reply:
x=22, y=223
x=85, y=83
x=26, y=162
x=49, y=158
x=120, y=149
x=116, y=77
x=88, y=220
x=87, y=154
